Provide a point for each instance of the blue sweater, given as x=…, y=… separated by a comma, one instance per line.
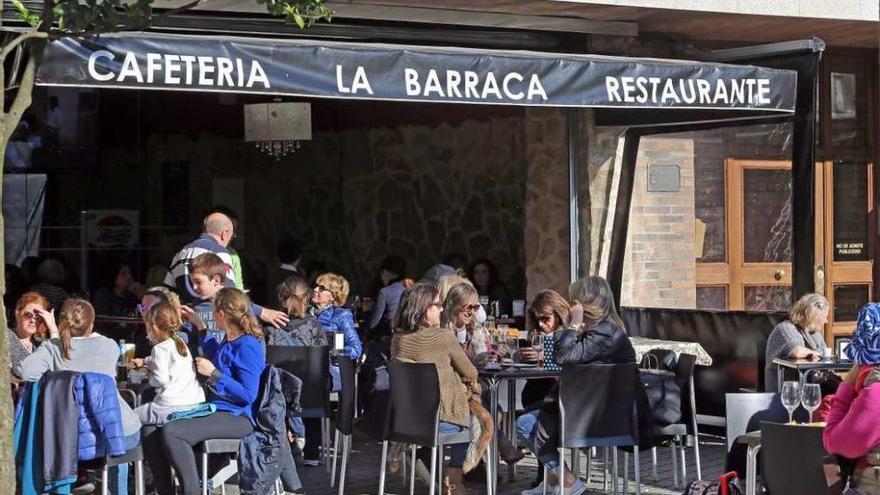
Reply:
x=236, y=383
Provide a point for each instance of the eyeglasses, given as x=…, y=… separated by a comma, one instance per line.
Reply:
x=544, y=318
x=30, y=316
x=142, y=309
x=321, y=288
x=470, y=308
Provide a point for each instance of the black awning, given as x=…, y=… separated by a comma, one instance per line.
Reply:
x=326, y=69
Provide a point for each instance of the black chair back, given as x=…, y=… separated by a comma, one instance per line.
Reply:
x=598, y=404
x=311, y=364
x=792, y=458
x=746, y=411
x=684, y=371
x=415, y=403
x=345, y=413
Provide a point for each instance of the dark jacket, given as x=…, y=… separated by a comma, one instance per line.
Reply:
x=264, y=454
x=340, y=320
x=305, y=331
x=60, y=413
x=605, y=343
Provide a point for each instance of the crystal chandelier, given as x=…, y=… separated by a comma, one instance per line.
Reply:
x=277, y=128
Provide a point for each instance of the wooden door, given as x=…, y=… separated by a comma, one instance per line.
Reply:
x=756, y=274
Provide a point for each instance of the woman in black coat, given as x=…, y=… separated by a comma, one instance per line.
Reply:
x=595, y=335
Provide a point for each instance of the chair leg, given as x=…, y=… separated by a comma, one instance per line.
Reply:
x=412, y=471
x=382, y=467
x=654, y=464
x=327, y=439
x=589, y=466
x=697, y=456
x=625, y=472
x=335, y=451
x=637, y=471
x=683, y=462
x=223, y=488
x=204, y=473
x=433, y=470
x=105, y=480
x=140, y=488
x=346, y=447
x=605, y=470
x=614, y=471
x=674, y=465
x=545, y=482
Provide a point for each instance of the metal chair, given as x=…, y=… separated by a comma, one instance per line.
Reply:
x=601, y=399
x=134, y=456
x=218, y=446
x=678, y=434
x=344, y=419
x=414, y=417
x=793, y=459
x=311, y=364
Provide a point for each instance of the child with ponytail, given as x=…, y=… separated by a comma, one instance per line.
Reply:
x=233, y=368
x=169, y=366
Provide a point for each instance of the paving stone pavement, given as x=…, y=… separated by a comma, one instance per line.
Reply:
x=363, y=473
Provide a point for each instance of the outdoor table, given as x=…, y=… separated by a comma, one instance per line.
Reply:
x=642, y=345
x=804, y=365
x=494, y=378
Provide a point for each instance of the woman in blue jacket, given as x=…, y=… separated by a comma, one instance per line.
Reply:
x=328, y=295
x=233, y=370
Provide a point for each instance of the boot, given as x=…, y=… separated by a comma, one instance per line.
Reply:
x=509, y=452
x=452, y=482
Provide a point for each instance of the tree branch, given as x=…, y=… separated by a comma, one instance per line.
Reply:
x=21, y=38
x=23, y=97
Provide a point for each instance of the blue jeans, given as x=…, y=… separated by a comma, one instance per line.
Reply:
x=457, y=452
x=526, y=428
x=119, y=474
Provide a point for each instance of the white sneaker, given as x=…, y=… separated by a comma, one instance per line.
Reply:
x=539, y=490
x=577, y=488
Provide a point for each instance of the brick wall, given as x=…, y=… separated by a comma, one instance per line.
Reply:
x=659, y=270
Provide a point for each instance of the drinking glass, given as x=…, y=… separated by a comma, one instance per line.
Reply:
x=791, y=397
x=811, y=397
x=538, y=346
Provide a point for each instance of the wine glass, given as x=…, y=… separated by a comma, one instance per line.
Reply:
x=791, y=397
x=811, y=397
x=538, y=346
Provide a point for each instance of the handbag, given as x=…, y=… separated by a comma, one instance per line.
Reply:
x=727, y=484
x=662, y=390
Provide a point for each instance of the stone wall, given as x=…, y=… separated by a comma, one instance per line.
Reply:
x=659, y=270
x=546, y=206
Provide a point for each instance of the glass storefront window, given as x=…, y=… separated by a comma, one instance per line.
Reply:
x=850, y=211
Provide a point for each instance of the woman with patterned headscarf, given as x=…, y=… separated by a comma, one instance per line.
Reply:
x=853, y=430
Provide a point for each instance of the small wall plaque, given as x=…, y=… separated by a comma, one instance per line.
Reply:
x=664, y=178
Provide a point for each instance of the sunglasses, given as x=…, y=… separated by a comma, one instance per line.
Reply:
x=470, y=308
x=321, y=288
x=544, y=318
x=142, y=309
x=30, y=316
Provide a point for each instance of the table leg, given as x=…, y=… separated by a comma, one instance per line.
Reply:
x=511, y=420
x=752, y=468
x=493, y=445
x=780, y=377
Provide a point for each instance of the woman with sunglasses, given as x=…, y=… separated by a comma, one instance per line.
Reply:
x=29, y=331
x=460, y=308
x=418, y=338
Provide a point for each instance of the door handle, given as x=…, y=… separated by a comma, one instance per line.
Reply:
x=779, y=274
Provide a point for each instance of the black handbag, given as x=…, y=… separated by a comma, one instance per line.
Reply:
x=662, y=390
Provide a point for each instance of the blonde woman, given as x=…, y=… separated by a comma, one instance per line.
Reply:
x=459, y=316
x=798, y=337
x=328, y=296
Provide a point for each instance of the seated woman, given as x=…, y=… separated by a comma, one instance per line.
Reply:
x=852, y=429
x=484, y=274
x=233, y=370
x=328, y=296
x=302, y=329
x=799, y=337
x=459, y=316
x=29, y=331
x=74, y=346
x=154, y=295
x=601, y=339
x=418, y=338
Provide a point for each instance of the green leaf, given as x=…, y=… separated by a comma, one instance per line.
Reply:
x=298, y=19
x=25, y=14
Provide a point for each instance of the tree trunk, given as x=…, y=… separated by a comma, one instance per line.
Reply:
x=8, y=123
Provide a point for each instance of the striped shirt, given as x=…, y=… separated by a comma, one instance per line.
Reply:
x=178, y=271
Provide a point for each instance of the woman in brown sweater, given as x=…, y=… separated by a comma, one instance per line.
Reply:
x=418, y=338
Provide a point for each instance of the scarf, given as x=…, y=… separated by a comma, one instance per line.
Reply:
x=865, y=345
